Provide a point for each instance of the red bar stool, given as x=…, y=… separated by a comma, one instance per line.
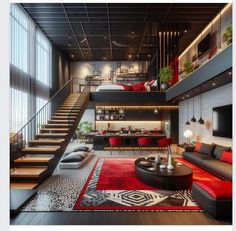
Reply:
x=144, y=142
x=115, y=142
x=165, y=144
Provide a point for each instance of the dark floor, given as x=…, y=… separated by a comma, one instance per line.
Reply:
x=115, y=218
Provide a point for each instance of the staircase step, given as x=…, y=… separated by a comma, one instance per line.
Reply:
x=40, y=150
x=65, y=113
x=23, y=185
x=34, y=159
x=51, y=135
x=68, y=110
x=64, y=117
x=60, y=121
x=58, y=125
x=48, y=130
x=46, y=142
x=28, y=172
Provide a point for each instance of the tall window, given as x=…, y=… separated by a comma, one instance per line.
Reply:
x=19, y=41
x=43, y=54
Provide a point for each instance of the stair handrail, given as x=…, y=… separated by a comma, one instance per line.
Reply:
x=60, y=89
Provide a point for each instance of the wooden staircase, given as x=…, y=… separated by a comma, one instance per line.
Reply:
x=39, y=159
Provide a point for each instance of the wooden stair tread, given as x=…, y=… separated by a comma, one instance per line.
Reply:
x=34, y=159
x=66, y=113
x=27, y=172
x=54, y=129
x=23, y=185
x=64, y=117
x=57, y=125
x=61, y=121
x=58, y=141
x=51, y=135
x=41, y=149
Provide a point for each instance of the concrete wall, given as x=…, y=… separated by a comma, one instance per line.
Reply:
x=214, y=98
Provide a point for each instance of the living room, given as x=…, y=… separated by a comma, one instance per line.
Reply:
x=117, y=124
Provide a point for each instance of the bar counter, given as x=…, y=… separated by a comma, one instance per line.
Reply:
x=129, y=140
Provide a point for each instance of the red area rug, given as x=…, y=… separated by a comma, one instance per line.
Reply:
x=119, y=174
x=112, y=185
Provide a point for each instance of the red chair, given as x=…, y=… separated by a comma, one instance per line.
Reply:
x=165, y=144
x=115, y=142
x=144, y=142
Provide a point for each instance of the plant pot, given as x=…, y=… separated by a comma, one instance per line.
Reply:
x=164, y=86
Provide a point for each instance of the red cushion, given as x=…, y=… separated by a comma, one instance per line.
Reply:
x=227, y=157
x=139, y=87
x=217, y=189
x=197, y=146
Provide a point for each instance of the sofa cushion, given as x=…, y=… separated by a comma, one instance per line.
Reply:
x=227, y=157
x=73, y=157
x=206, y=149
x=218, y=190
x=195, y=157
x=218, y=150
x=197, y=146
x=218, y=168
x=81, y=148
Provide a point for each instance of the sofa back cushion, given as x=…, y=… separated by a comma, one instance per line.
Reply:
x=219, y=150
x=206, y=149
x=227, y=157
x=197, y=146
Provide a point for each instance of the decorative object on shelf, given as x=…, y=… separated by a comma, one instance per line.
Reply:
x=157, y=159
x=109, y=113
x=170, y=166
x=165, y=74
x=187, y=123
x=227, y=35
x=193, y=118
x=155, y=111
x=201, y=121
x=162, y=166
x=188, y=134
x=188, y=67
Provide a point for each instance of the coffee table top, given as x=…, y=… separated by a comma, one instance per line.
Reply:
x=178, y=171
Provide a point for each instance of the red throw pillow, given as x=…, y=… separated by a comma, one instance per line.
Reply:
x=139, y=87
x=197, y=146
x=227, y=157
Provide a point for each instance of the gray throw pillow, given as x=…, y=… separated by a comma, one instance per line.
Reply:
x=81, y=148
x=206, y=149
x=73, y=157
x=219, y=150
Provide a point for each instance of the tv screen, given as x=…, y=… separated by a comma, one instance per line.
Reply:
x=204, y=45
x=222, y=121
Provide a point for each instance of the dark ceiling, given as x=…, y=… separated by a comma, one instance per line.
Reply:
x=118, y=31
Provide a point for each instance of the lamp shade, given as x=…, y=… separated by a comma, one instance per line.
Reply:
x=188, y=134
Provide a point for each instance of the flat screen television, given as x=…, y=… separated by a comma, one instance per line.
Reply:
x=204, y=45
x=222, y=121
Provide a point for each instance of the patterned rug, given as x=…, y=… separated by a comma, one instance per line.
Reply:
x=124, y=196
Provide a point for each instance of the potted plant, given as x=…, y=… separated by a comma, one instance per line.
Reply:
x=188, y=67
x=85, y=127
x=165, y=74
x=228, y=34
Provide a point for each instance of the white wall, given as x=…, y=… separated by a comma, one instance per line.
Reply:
x=89, y=115
x=214, y=98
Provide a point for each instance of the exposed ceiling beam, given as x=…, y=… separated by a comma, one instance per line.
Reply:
x=85, y=36
x=73, y=32
x=109, y=29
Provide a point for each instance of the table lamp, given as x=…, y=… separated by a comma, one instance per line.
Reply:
x=188, y=134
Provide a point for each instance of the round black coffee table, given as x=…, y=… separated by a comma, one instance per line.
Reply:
x=176, y=179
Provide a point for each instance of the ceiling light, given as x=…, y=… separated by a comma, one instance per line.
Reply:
x=69, y=37
x=183, y=97
x=105, y=37
x=130, y=56
x=185, y=31
x=149, y=56
x=104, y=58
x=69, y=45
x=72, y=56
x=213, y=84
x=155, y=110
x=230, y=73
x=187, y=95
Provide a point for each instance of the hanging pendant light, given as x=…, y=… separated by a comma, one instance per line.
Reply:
x=201, y=121
x=187, y=123
x=193, y=120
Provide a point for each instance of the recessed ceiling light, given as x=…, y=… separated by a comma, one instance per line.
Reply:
x=105, y=37
x=213, y=84
x=69, y=45
x=130, y=56
x=104, y=58
x=185, y=31
x=230, y=73
x=183, y=97
x=72, y=56
x=149, y=56
x=187, y=95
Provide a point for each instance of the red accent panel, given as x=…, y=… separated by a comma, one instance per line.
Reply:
x=174, y=64
x=227, y=157
x=197, y=146
x=218, y=190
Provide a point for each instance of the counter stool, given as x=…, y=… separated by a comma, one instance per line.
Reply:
x=164, y=144
x=116, y=142
x=144, y=142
